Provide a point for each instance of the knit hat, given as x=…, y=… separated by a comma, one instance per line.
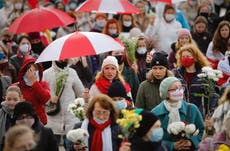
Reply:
x=164, y=86
x=117, y=89
x=224, y=65
x=24, y=108
x=34, y=35
x=160, y=59
x=110, y=60
x=183, y=31
x=148, y=119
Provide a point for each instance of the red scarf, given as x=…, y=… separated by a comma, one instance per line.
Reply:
x=96, y=144
x=103, y=85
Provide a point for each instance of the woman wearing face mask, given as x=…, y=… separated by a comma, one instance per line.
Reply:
x=17, y=11
x=24, y=114
x=148, y=137
x=184, y=38
x=173, y=108
x=190, y=60
x=100, y=21
x=148, y=92
x=101, y=125
x=117, y=92
x=24, y=51
x=127, y=22
x=200, y=33
x=34, y=89
x=190, y=10
x=166, y=28
x=218, y=46
x=112, y=28
x=140, y=55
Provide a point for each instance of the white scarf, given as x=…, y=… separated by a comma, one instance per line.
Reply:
x=173, y=108
x=106, y=137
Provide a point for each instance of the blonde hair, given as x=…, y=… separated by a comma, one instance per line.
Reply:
x=224, y=97
x=14, y=89
x=197, y=54
x=14, y=133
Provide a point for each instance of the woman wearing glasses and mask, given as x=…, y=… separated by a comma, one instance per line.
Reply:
x=174, y=108
x=101, y=125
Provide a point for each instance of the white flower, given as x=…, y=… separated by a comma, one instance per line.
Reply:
x=189, y=129
x=215, y=79
x=202, y=75
x=206, y=69
x=77, y=135
x=80, y=109
x=211, y=75
x=70, y=107
x=79, y=101
x=196, y=132
x=176, y=127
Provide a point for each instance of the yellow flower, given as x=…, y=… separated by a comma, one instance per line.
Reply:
x=223, y=147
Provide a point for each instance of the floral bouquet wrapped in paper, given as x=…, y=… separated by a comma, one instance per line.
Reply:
x=179, y=130
x=77, y=108
x=78, y=136
x=129, y=122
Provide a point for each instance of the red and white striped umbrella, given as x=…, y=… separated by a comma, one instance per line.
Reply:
x=168, y=1
x=78, y=44
x=108, y=6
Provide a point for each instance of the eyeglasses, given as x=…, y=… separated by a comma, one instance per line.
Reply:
x=176, y=89
x=24, y=116
x=106, y=113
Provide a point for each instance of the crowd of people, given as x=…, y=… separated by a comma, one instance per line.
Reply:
x=160, y=75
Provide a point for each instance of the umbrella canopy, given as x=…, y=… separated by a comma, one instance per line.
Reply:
x=79, y=44
x=40, y=19
x=168, y=1
x=108, y=6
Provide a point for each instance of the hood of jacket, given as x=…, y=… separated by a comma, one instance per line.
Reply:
x=25, y=63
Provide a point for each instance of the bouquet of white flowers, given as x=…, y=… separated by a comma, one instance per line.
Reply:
x=78, y=136
x=209, y=78
x=179, y=130
x=77, y=108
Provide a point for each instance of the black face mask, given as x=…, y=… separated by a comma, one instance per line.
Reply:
x=120, y=59
x=61, y=64
x=204, y=14
x=37, y=48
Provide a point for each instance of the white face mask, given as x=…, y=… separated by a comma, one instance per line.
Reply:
x=24, y=48
x=18, y=6
x=141, y=50
x=28, y=82
x=169, y=17
x=101, y=22
x=121, y=104
x=112, y=31
x=177, y=95
x=98, y=121
x=127, y=23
